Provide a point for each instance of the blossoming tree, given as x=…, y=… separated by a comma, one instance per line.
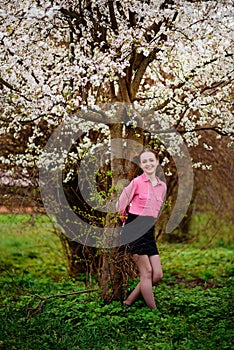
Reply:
x=170, y=62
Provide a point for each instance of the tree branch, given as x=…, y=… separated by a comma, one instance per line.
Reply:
x=114, y=24
x=120, y=10
x=8, y=85
x=11, y=87
x=132, y=18
x=145, y=61
x=124, y=91
x=33, y=311
x=97, y=116
x=141, y=71
x=215, y=85
x=211, y=128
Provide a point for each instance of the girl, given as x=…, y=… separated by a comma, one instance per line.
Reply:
x=144, y=197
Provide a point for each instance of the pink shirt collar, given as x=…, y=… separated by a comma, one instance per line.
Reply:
x=145, y=178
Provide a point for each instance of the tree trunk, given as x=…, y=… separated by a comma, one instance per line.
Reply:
x=110, y=278
x=81, y=259
x=116, y=265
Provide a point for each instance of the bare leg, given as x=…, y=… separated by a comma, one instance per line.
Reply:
x=145, y=285
x=156, y=276
x=134, y=295
x=157, y=268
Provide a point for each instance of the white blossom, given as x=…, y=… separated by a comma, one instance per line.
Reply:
x=48, y=71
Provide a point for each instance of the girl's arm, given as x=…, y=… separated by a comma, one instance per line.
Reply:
x=125, y=199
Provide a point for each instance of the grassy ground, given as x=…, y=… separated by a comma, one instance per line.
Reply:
x=195, y=298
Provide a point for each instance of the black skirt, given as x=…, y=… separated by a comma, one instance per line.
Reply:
x=143, y=227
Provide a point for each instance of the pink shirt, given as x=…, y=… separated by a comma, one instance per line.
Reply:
x=142, y=198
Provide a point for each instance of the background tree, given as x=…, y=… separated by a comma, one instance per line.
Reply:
x=172, y=61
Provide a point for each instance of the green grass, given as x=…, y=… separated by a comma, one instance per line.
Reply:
x=195, y=298
x=209, y=230
x=29, y=245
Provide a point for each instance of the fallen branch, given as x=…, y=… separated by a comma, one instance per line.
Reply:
x=33, y=311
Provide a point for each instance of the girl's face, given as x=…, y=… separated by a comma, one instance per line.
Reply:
x=148, y=163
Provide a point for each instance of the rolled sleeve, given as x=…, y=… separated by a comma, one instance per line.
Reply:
x=125, y=199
